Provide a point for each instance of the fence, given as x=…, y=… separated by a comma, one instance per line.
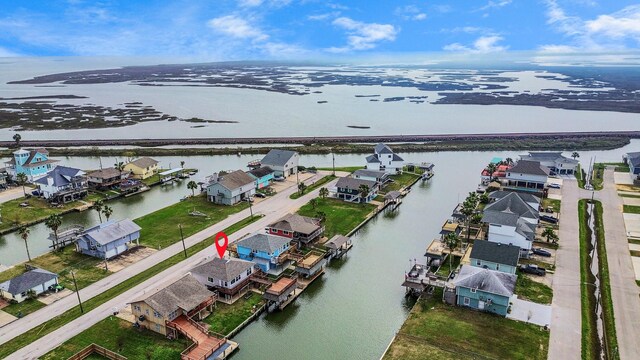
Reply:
x=96, y=349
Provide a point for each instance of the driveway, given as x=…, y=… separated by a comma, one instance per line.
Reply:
x=50, y=297
x=530, y=312
x=631, y=201
x=6, y=318
x=13, y=193
x=632, y=224
x=622, y=178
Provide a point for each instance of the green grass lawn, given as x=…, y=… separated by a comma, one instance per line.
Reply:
x=25, y=308
x=631, y=241
x=340, y=216
x=399, y=181
x=587, y=299
x=90, y=304
x=225, y=318
x=15, y=215
x=580, y=176
x=553, y=203
x=631, y=209
x=597, y=177
x=445, y=269
x=434, y=330
x=120, y=336
x=314, y=186
x=533, y=291
x=349, y=169
x=160, y=228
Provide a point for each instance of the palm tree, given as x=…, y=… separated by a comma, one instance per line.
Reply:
x=98, y=205
x=575, y=155
x=508, y=161
x=324, y=192
x=452, y=242
x=302, y=187
x=314, y=203
x=120, y=167
x=182, y=164
x=491, y=168
x=54, y=222
x=22, y=180
x=468, y=208
x=24, y=234
x=550, y=234
x=192, y=185
x=17, y=139
x=107, y=211
x=363, y=190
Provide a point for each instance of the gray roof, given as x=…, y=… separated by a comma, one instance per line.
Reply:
x=397, y=157
x=260, y=172
x=223, y=269
x=500, y=218
x=526, y=197
x=383, y=149
x=548, y=156
x=491, y=281
x=277, y=157
x=336, y=241
x=264, y=242
x=234, y=180
x=513, y=203
x=186, y=293
x=372, y=158
x=26, y=281
x=144, y=162
x=111, y=231
x=61, y=175
x=392, y=195
x=633, y=159
x=354, y=184
x=369, y=173
x=529, y=167
x=495, y=252
x=297, y=223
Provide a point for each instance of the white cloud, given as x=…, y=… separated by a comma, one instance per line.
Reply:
x=364, y=36
x=482, y=45
x=557, y=49
x=237, y=27
x=256, y=3
x=410, y=12
x=624, y=23
x=493, y=4
x=325, y=16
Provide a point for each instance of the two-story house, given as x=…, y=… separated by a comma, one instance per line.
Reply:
x=494, y=256
x=265, y=250
x=106, y=178
x=63, y=184
x=34, y=163
x=379, y=177
x=349, y=189
x=511, y=221
x=142, y=168
x=527, y=176
x=384, y=159
x=298, y=228
x=109, y=239
x=229, y=277
x=284, y=163
x=554, y=161
x=231, y=188
x=484, y=289
x=263, y=176
x=530, y=199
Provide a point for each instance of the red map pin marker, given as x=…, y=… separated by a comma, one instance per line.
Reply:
x=221, y=248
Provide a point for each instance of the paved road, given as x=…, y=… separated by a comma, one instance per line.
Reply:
x=272, y=210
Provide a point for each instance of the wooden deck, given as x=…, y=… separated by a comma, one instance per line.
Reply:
x=203, y=344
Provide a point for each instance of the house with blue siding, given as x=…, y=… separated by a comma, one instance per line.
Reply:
x=109, y=239
x=265, y=250
x=494, y=256
x=34, y=163
x=633, y=160
x=263, y=176
x=484, y=289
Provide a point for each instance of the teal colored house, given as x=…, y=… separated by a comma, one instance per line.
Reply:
x=265, y=251
x=495, y=256
x=262, y=176
x=34, y=163
x=484, y=289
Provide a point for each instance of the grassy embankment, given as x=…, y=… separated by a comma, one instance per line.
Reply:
x=225, y=318
x=631, y=209
x=434, y=330
x=580, y=176
x=340, y=217
x=313, y=186
x=399, y=181
x=90, y=304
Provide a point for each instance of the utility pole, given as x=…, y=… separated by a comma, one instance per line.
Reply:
x=184, y=248
x=250, y=208
x=106, y=266
x=75, y=284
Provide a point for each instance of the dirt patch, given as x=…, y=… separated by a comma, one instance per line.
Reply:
x=122, y=261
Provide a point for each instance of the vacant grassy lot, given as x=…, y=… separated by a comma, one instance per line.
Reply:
x=25, y=308
x=533, y=291
x=316, y=185
x=225, y=317
x=340, y=216
x=120, y=336
x=349, y=169
x=399, y=181
x=434, y=330
x=15, y=215
x=553, y=203
x=160, y=228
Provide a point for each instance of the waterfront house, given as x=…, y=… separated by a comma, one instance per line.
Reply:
x=511, y=221
x=109, y=239
x=554, y=161
x=384, y=159
x=3, y=178
x=528, y=176
x=500, y=173
x=231, y=188
x=32, y=283
x=298, y=228
x=514, y=203
x=142, y=168
x=229, y=277
x=348, y=189
x=34, y=163
x=283, y=162
x=63, y=184
x=106, y=178
x=531, y=200
x=495, y=256
x=263, y=176
x=633, y=161
x=484, y=289
x=379, y=177
x=266, y=251
x=185, y=297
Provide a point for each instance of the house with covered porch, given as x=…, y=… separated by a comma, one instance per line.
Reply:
x=554, y=161
x=34, y=163
x=63, y=184
x=231, y=188
x=109, y=239
x=348, y=189
x=31, y=283
x=230, y=278
x=299, y=228
x=266, y=251
x=527, y=176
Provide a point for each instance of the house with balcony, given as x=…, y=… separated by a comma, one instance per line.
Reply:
x=301, y=229
x=231, y=188
x=63, y=184
x=106, y=178
x=511, y=221
x=109, y=239
x=527, y=176
x=384, y=159
x=348, y=189
x=484, y=289
x=495, y=256
x=263, y=176
x=142, y=168
x=230, y=278
x=554, y=161
x=267, y=251
x=633, y=161
x=379, y=177
x=284, y=163
x=34, y=163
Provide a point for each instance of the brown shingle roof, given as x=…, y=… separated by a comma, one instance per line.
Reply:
x=186, y=294
x=235, y=179
x=106, y=173
x=296, y=223
x=144, y=162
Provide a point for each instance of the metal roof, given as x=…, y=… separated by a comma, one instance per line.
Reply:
x=111, y=231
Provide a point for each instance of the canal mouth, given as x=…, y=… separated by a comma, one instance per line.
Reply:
x=593, y=281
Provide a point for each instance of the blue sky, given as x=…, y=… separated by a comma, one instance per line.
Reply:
x=311, y=29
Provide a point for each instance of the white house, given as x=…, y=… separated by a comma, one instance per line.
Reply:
x=512, y=221
x=283, y=162
x=528, y=175
x=554, y=161
x=36, y=281
x=383, y=159
x=231, y=188
x=63, y=183
x=531, y=200
x=229, y=277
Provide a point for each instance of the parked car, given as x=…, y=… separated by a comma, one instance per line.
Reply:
x=36, y=193
x=554, y=186
x=56, y=287
x=549, y=219
x=533, y=269
x=541, y=252
x=278, y=178
x=260, y=195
